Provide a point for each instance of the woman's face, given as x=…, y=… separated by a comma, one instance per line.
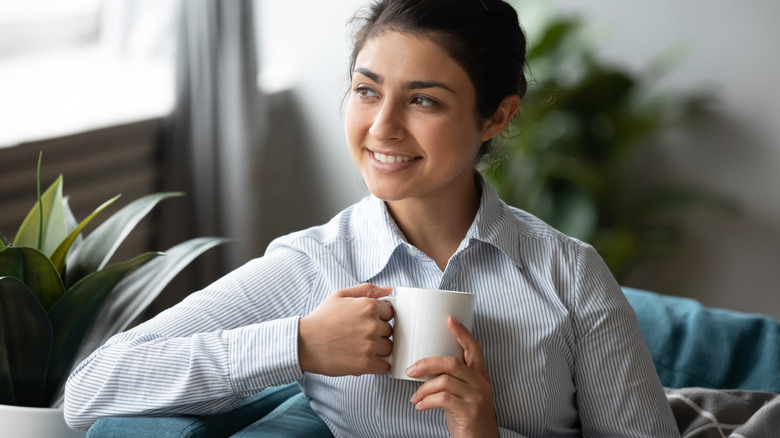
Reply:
x=410, y=119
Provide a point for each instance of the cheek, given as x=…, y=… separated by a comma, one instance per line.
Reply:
x=354, y=124
x=470, y=133
x=456, y=134
x=354, y=133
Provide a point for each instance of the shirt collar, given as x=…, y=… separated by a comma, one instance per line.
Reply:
x=378, y=233
x=494, y=224
x=378, y=237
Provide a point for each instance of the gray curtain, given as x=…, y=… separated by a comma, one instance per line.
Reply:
x=213, y=137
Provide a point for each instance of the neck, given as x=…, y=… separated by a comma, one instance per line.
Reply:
x=438, y=224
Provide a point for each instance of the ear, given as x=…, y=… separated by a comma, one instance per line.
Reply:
x=500, y=119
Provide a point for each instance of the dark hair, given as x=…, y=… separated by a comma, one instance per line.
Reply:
x=483, y=36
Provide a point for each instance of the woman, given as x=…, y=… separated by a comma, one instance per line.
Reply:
x=556, y=349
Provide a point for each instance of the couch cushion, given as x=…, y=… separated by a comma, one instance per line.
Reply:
x=293, y=418
x=693, y=345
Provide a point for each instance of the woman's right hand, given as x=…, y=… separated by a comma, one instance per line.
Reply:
x=348, y=333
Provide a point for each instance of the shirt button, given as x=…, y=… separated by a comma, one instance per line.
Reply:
x=412, y=251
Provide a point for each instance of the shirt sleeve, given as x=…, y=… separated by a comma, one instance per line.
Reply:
x=205, y=354
x=506, y=433
x=618, y=390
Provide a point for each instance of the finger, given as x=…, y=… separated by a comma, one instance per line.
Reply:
x=436, y=365
x=378, y=366
x=364, y=290
x=441, y=400
x=385, y=311
x=384, y=347
x=472, y=350
x=442, y=383
x=384, y=330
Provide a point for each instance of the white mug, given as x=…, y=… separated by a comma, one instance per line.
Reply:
x=420, y=326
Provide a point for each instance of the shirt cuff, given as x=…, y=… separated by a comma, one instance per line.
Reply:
x=263, y=355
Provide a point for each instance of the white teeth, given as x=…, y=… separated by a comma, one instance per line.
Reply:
x=391, y=158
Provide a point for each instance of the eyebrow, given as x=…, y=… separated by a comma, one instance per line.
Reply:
x=410, y=85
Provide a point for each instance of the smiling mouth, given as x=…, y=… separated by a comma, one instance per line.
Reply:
x=382, y=158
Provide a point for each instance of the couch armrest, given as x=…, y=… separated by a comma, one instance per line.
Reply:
x=693, y=345
x=280, y=410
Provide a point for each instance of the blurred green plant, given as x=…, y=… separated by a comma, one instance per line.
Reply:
x=567, y=161
x=59, y=297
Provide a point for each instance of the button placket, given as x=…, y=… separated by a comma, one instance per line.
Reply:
x=449, y=277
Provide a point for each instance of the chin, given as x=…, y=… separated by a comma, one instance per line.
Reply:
x=386, y=192
x=385, y=195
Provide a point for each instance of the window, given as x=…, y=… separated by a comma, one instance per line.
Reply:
x=69, y=66
x=29, y=26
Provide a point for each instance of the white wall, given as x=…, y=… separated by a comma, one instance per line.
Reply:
x=726, y=261
x=304, y=45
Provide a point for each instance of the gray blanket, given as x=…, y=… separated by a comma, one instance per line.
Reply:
x=717, y=413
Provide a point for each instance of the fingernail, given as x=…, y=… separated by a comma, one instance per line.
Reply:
x=411, y=370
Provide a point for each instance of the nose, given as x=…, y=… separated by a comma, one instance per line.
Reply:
x=388, y=123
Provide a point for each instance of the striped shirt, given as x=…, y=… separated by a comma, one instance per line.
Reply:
x=561, y=343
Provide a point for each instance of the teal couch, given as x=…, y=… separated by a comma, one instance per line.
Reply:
x=278, y=412
x=696, y=346
x=691, y=346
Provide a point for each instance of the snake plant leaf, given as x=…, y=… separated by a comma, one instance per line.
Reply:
x=35, y=270
x=70, y=218
x=2, y=242
x=71, y=223
x=72, y=316
x=7, y=394
x=25, y=343
x=59, y=254
x=137, y=291
x=54, y=229
x=96, y=250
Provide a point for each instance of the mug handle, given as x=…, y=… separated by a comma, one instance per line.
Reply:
x=390, y=300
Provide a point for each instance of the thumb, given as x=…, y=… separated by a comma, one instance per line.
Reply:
x=367, y=290
x=472, y=351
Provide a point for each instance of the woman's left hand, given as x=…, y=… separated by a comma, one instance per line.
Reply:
x=461, y=388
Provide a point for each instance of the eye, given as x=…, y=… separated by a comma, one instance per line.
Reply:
x=424, y=102
x=363, y=91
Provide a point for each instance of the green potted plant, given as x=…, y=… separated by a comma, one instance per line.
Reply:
x=60, y=298
x=568, y=160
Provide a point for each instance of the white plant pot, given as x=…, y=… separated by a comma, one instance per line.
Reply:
x=24, y=422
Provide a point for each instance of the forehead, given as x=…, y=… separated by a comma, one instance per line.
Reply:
x=406, y=56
